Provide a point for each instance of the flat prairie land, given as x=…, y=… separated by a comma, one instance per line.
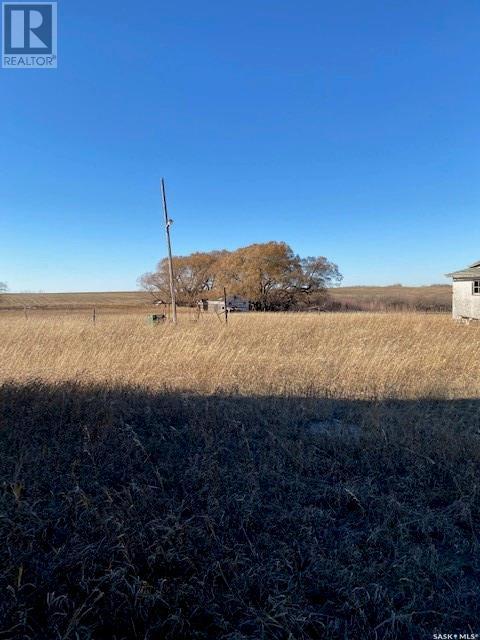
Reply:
x=284, y=476
x=75, y=301
x=395, y=297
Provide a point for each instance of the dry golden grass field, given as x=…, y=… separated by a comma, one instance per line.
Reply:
x=288, y=476
x=348, y=355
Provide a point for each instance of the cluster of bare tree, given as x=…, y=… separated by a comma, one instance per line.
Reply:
x=269, y=275
x=3, y=287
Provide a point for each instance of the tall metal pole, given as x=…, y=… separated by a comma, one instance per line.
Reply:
x=168, y=224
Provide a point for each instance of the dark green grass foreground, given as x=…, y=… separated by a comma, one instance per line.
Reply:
x=125, y=514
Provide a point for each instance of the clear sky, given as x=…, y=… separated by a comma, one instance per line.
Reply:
x=347, y=128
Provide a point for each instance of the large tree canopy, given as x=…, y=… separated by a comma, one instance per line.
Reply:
x=269, y=275
x=195, y=275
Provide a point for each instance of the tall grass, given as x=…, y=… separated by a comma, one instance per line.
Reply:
x=340, y=355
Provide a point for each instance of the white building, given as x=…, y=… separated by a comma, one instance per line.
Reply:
x=466, y=292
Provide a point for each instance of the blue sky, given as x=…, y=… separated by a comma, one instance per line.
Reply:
x=347, y=128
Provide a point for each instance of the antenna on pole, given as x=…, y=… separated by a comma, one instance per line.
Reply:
x=168, y=224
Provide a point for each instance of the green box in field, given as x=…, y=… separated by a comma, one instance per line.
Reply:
x=155, y=318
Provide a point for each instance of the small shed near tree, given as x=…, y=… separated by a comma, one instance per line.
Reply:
x=234, y=304
x=466, y=292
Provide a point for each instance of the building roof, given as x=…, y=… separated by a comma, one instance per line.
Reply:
x=471, y=272
x=230, y=299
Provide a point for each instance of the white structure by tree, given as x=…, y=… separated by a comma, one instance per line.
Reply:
x=466, y=292
x=234, y=304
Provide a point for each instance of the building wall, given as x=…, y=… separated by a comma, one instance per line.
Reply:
x=215, y=307
x=240, y=304
x=465, y=304
x=236, y=303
